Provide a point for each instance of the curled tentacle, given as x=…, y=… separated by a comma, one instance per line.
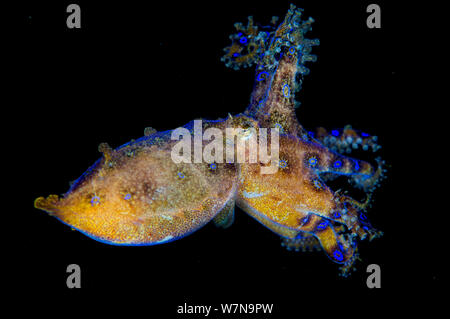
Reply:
x=361, y=174
x=351, y=213
x=248, y=44
x=304, y=242
x=368, y=183
x=338, y=248
x=330, y=164
x=346, y=140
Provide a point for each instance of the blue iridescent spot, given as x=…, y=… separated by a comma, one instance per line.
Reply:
x=213, y=166
x=280, y=127
x=262, y=76
x=335, y=132
x=337, y=164
x=95, y=200
x=282, y=163
x=338, y=255
x=322, y=225
x=235, y=54
x=180, y=175
x=364, y=134
x=127, y=196
x=243, y=40
x=317, y=184
x=286, y=90
x=356, y=166
x=337, y=215
x=311, y=133
x=305, y=219
x=312, y=161
x=362, y=216
x=340, y=246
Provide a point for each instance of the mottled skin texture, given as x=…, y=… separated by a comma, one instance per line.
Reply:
x=166, y=200
x=137, y=195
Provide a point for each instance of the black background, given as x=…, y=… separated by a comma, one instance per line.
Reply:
x=134, y=65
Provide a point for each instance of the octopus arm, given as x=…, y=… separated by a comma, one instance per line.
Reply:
x=225, y=217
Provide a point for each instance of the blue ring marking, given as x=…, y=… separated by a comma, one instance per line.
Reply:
x=292, y=50
x=311, y=133
x=364, y=134
x=322, y=225
x=312, y=161
x=286, y=86
x=180, y=175
x=340, y=246
x=213, y=166
x=95, y=200
x=127, y=196
x=260, y=78
x=362, y=216
x=337, y=164
x=338, y=255
x=336, y=215
x=335, y=132
x=282, y=163
x=356, y=166
x=235, y=54
x=243, y=40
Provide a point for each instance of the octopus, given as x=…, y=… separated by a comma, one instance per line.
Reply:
x=137, y=194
